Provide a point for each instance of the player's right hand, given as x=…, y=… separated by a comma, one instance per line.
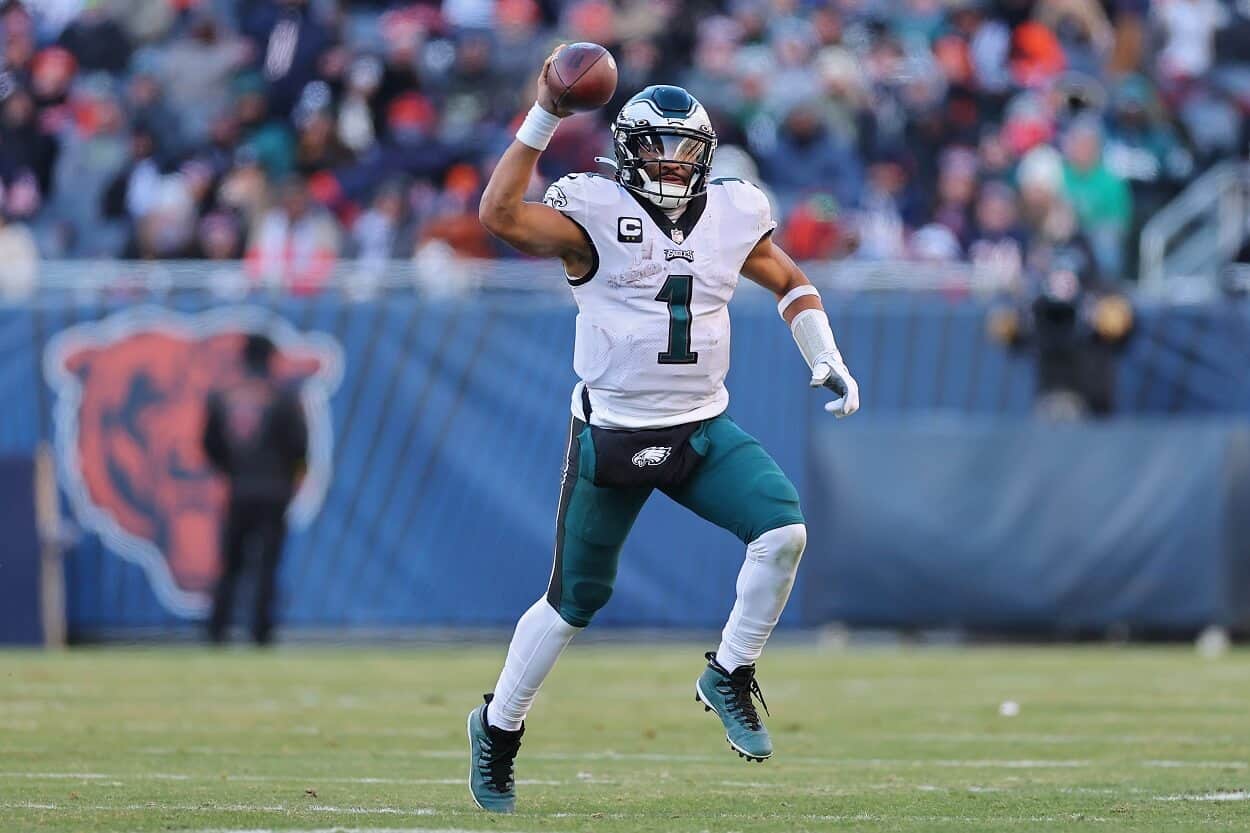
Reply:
x=546, y=96
x=832, y=373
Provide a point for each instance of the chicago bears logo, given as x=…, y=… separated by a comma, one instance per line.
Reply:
x=652, y=456
x=129, y=417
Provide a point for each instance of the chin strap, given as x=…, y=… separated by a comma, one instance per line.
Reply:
x=603, y=160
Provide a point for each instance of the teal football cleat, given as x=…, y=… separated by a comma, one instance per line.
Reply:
x=492, y=752
x=729, y=696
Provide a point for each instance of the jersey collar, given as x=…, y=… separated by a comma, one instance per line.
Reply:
x=678, y=231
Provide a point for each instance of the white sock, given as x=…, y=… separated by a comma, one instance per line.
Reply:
x=763, y=589
x=537, y=643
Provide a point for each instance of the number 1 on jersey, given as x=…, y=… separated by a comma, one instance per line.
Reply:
x=676, y=293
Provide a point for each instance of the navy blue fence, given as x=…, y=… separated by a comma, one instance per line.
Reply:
x=444, y=428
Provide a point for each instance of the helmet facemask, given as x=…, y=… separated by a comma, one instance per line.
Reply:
x=666, y=164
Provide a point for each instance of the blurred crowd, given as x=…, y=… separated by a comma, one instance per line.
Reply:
x=293, y=133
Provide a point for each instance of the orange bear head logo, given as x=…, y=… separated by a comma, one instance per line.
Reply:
x=129, y=416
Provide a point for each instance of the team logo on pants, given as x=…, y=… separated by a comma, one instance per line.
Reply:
x=129, y=416
x=652, y=456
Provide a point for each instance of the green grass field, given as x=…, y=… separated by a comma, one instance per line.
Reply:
x=889, y=740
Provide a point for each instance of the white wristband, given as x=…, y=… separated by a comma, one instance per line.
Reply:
x=538, y=128
x=814, y=337
x=793, y=295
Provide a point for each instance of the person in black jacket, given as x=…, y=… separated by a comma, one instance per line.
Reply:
x=255, y=435
x=1077, y=328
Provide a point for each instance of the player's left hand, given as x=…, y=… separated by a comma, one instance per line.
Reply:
x=832, y=373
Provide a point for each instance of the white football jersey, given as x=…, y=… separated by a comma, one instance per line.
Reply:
x=653, y=322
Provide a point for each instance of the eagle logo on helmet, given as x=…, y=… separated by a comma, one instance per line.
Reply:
x=664, y=143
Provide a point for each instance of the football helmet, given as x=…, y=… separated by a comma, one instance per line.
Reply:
x=664, y=143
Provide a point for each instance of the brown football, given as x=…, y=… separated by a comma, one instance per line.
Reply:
x=582, y=77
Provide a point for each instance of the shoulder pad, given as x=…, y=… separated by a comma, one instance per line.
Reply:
x=749, y=201
x=744, y=195
x=581, y=191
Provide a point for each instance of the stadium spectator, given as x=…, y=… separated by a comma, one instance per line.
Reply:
x=19, y=259
x=956, y=191
x=24, y=144
x=268, y=138
x=196, y=69
x=295, y=244
x=807, y=156
x=95, y=148
x=317, y=145
x=379, y=235
x=881, y=227
x=219, y=237
x=997, y=248
x=358, y=125
x=814, y=231
x=1040, y=179
x=144, y=21
x=96, y=40
x=1102, y=200
x=934, y=243
x=151, y=110
x=1188, y=30
x=290, y=42
x=454, y=217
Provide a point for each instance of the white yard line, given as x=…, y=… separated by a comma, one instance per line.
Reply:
x=341, y=830
x=997, y=764
x=143, y=727
x=1239, y=795
x=1008, y=737
x=53, y=776
x=209, y=807
x=119, y=778
x=1197, y=764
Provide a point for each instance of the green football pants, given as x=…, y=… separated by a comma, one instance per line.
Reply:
x=737, y=486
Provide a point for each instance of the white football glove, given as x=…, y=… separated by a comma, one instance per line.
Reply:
x=815, y=340
x=830, y=372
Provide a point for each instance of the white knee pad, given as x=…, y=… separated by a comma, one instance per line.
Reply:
x=782, y=546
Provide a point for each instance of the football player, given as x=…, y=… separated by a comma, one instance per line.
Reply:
x=653, y=256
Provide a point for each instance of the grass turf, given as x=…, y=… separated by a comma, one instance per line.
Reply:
x=189, y=739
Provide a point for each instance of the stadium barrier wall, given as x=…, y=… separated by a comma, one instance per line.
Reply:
x=20, y=592
x=1025, y=526
x=442, y=430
